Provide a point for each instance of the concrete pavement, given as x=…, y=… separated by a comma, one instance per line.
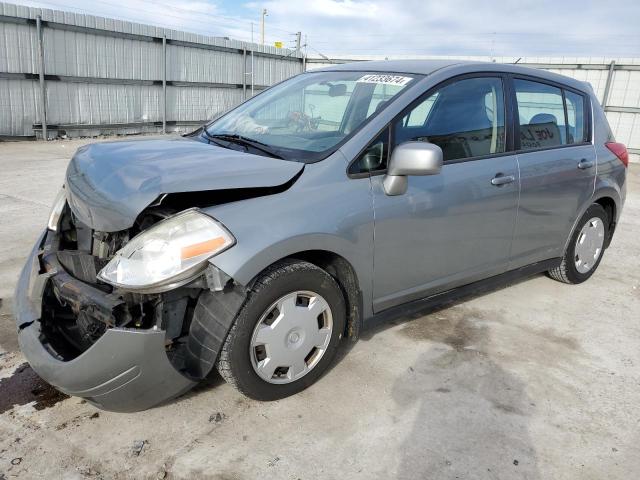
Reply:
x=538, y=380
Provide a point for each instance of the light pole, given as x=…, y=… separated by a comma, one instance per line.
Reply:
x=252, y=49
x=264, y=14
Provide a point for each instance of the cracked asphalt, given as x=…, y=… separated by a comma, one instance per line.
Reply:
x=537, y=380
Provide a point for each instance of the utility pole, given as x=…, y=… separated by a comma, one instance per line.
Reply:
x=253, y=47
x=43, y=88
x=264, y=14
x=298, y=38
x=164, y=83
x=304, y=57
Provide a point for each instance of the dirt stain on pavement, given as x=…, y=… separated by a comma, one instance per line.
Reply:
x=454, y=326
x=8, y=333
x=25, y=386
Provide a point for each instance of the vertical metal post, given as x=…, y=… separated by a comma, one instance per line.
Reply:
x=298, y=42
x=264, y=14
x=607, y=86
x=252, y=72
x=43, y=87
x=164, y=84
x=244, y=73
x=304, y=56
x=252, y=49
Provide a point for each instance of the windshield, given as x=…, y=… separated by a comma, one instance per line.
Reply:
x=307, y=117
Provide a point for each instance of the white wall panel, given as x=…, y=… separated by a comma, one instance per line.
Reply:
x=19, y=107
x=200, y=103
x=95, y=104
x=85, y=55
x=92, y=56
x=18, y=48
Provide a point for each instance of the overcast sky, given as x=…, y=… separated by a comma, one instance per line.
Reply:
x=407, y=27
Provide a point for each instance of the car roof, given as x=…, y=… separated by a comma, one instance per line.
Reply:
x=454, y=67
x=421, y=67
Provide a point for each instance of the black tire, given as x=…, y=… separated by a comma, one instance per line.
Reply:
x=234, y=362
x=567, y=272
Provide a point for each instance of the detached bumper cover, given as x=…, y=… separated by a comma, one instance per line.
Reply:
x=126, y=370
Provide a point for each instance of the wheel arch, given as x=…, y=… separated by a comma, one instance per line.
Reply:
x=608, y=199
x=345, y=275
x=609, y=205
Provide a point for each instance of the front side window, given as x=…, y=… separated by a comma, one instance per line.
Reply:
x=465, y=119
x=307, y=117
x=374, y=157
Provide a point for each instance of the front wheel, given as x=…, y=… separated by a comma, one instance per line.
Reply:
x=585, y=248
x=286, y=334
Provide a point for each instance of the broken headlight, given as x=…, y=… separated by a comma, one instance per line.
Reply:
x=56, y=209
x=168, y=254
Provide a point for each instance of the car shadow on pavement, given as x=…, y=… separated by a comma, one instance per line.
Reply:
x=471, y=415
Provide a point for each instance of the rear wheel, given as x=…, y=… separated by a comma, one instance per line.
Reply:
x=286, y=334
x=585, y=249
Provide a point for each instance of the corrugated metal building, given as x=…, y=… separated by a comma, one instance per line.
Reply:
x=616, y=82
x=103, y=75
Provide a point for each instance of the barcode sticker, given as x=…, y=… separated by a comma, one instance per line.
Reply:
x=385, y=79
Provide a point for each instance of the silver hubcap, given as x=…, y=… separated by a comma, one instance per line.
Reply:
x=589, y=245
x=291, y=337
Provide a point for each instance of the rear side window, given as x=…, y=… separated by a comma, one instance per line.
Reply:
x=464, y=118
x=541, y=114
x=575, y=117
x=543, y=120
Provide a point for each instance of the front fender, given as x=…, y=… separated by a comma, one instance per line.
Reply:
x=324, y=210
x=248, y=263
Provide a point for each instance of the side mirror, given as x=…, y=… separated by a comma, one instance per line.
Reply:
x=411, y=158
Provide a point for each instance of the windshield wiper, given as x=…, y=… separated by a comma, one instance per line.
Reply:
x=246, y=141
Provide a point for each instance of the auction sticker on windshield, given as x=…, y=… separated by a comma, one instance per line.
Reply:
x=385, y=79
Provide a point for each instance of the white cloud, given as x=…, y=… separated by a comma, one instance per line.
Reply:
x=197, y=16
x=388, y=27
x=464, y=27
x=351, y=9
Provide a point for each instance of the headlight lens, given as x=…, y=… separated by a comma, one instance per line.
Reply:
x=56, y=210
x=170, y=252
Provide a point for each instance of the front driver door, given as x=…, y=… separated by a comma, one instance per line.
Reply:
x=455, y=227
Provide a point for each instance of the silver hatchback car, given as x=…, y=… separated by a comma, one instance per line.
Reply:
x=258, y=243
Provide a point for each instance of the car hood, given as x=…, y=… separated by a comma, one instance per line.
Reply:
x=109, y=184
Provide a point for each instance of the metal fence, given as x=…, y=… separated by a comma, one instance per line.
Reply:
x=616, y=82
x=77, y=74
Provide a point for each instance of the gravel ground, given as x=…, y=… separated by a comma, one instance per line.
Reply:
x=537, y=380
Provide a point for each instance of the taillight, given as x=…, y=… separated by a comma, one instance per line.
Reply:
x=619, y=151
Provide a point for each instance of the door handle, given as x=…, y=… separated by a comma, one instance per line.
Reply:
x=584, y=164
x=501, y=179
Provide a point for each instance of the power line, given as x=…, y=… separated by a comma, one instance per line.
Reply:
x=473, y=34
x=216, y=19
x=242, y=20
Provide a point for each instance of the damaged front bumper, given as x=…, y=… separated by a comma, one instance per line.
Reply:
x=125, y=370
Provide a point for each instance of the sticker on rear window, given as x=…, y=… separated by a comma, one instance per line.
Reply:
x=385, y=79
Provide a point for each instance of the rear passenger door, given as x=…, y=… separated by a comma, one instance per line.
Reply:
x=557, y=166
